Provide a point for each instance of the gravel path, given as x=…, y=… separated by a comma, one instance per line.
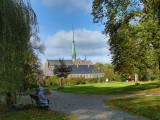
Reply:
x=88, y=107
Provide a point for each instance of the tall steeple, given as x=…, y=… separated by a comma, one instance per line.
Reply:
x=85, y=59
x=73, y=49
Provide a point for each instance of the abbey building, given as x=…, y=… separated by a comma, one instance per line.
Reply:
x=80, y=68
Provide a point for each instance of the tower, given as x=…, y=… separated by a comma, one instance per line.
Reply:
x=73, y=49
x=85, y=59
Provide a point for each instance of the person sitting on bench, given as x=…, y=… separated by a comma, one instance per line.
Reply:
x=42, y=99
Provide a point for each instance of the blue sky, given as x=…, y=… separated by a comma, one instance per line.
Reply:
x=56, y=18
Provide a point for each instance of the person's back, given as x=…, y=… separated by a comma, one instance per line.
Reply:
x=42, y=99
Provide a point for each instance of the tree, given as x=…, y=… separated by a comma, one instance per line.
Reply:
x=133, y=27
x=32, y=73
x=108, y=71
x=18, y=23
x=62, y=71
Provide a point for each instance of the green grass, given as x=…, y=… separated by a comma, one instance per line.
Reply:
x=32, y=114
x=111, y=88
x=148, y=107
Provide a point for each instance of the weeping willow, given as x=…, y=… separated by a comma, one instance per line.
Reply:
x=17, y=24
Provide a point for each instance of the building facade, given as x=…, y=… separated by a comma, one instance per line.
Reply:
x=80, y=68
x=86, y=71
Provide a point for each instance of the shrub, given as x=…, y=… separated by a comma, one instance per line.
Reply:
x=83, y=81
x=53, y=81
x=151, y=76
x=100, y=80
x=74, y=81
x=70, y=81
x=91, y=80
x=78, y=80
x=42, y=82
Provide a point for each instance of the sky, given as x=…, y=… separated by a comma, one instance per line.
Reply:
x=56, y=20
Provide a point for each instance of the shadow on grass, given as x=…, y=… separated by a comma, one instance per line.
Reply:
x=145, y=106
x=130, y=89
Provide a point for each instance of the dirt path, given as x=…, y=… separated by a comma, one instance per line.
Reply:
x=90, y=107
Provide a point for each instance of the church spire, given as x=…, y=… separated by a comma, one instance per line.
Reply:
x=85, y=59
x=73, y=49
x=73, y=34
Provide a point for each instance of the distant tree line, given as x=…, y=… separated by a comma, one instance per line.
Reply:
x=109, y=73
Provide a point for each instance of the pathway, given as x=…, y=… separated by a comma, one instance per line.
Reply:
x=89, y=107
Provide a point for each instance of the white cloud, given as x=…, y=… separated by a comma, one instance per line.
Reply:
x=89, y=43
x=101, y=59
x=70, y=6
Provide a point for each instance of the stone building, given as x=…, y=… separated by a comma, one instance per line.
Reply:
x=86, y=71
x=80, y=68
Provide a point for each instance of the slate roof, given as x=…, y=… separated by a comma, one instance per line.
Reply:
x=56, y=62
x=84, y=69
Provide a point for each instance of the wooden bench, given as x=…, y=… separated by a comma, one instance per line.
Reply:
x=35, y=100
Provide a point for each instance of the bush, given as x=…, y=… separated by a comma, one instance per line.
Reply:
x=100, y=80
x=42, y=82
x=78, y=80
x=65, y=81
x=91, y=80
x=151, y=76
x=83, y=81
x=70, y=81
x=52, y=81
x=123, y=78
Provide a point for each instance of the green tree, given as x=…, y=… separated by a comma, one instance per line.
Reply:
x=133, y=30
x=18, y=24
x=62, y=71
x=32, y=73
x=108, y=71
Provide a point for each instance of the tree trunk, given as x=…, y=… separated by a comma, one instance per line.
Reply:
x=9, y=99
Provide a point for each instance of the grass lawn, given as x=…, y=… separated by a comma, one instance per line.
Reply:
x=111, y=88
x=148, y=107
x=31, y=114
